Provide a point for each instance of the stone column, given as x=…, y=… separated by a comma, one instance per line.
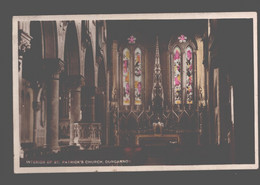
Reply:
x=88, y=114
x=24, y=44
x=93, y=119
x=75, y=84
x=37, y=119
x=37, y=88
x=53, y=69
x=107, y=110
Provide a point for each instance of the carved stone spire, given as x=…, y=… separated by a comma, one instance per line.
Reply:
x=157, y=75
x=157, y=91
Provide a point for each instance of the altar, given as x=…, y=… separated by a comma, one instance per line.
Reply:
x=157, y=139
x=156, y=124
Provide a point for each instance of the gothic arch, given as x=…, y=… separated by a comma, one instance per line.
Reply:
x=72, y=68
x=174, y=41
x=102, y=76
x=132, y=123
x=37, y=41
x=183, y=71
x=89, y=66
x=101, y=94
x=71, y=52
x=50, y=43
x=88, y=91
x=33, y=58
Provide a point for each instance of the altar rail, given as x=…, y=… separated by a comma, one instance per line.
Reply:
x=89, y=135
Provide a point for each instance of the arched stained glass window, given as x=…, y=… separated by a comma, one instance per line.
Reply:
x=126, y=77
x=189, y=75
x=183, y=61
x=131, y=75
x=177, y=75
x=138, y=76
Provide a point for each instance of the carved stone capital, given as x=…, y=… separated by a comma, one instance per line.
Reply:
x=53, y=66
x=75, y=81
x=24, y=43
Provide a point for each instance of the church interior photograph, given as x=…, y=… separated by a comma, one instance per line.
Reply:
x=135, y=92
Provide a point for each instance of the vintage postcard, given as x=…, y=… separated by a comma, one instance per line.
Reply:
x=135, y=92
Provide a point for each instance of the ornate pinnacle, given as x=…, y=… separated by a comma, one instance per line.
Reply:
x=157, y=76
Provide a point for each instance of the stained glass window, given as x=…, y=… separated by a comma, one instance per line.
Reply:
x=189, y=75
x=177, y=75
x=126, y=77
x=182, y=71
x=132, y=79
x=138, y=76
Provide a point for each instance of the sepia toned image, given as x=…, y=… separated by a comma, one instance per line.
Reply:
x=135, y=92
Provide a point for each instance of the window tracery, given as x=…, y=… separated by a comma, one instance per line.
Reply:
x=182, y=71
x=132, y=73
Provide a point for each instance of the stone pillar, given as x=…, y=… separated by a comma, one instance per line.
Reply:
x=107, y=110
x=75, y=104
x=53, y=69
x=88, y=115
x=93, y=109
x=37, y=119
x=75, y=84
x=24, y=44
x=37, y=88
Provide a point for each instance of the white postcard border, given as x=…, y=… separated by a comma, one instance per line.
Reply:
x=156, y=16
